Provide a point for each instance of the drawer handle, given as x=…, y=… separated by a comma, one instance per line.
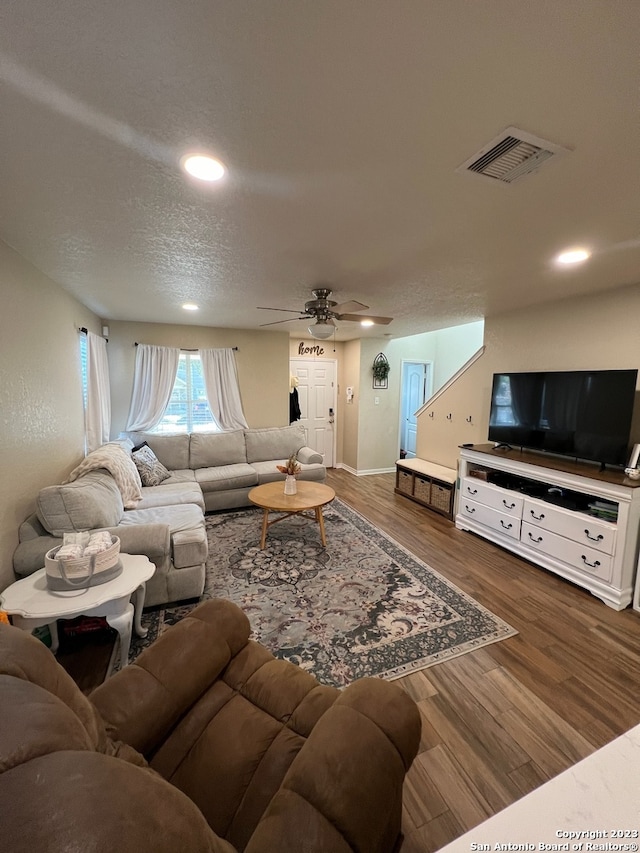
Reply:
x=472, y=491
x=591, y=565
x=508, y=506
x=537, y=517
x=506, y=526
x=533, y=538
x=597, y=538
x=469, y=508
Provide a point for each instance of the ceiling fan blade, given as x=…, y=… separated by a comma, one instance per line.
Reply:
x=350, y=306
x=288, y=320
x=379, y=321
x=290, y=310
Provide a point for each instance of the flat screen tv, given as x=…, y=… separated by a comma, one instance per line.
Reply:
x=585, y=414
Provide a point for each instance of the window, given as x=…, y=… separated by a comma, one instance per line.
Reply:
x=84, y=368
x=84, y=378
x=188, y=409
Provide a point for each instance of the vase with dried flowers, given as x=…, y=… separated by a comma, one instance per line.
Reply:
x=291, y=468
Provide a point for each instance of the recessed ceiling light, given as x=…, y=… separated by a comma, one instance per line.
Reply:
x=573, y=256
x=366, y=322
x=203, y=167
x=189, y=306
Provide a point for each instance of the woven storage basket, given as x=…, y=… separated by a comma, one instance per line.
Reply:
x=82, y=572
x=422, y=489
x=405, y=481
x=441, y=497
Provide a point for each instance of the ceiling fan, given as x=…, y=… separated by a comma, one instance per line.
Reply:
x=326, y=311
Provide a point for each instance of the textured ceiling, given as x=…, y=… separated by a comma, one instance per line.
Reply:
x=341, y=123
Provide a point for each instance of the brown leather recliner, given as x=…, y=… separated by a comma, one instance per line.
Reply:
x=205, y=743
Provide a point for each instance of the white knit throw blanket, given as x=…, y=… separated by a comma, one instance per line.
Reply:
x=121, y=467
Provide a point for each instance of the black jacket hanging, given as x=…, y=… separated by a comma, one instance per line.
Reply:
x=294, y=406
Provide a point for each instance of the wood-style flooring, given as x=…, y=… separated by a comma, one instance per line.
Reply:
x=499, y=721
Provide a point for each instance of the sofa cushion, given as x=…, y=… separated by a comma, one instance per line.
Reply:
x=171, y=495
x=225, y=477
x=152, y=471
x=209, y=449
x=186, y=528
x=90, y=502
x=171, y=450
x=189, y=547
x=182, y=475
x=264, y=445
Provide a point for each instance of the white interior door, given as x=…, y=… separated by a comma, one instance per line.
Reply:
x=317, y=397
x=416, y=388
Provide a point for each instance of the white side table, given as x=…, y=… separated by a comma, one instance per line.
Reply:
x=31, y=604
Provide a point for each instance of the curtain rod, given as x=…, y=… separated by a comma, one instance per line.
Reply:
x=185, y=349
x=85, y=331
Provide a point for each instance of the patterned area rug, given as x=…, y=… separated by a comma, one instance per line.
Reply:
x=364, y=606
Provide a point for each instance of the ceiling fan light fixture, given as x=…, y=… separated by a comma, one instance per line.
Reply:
x=321, y=330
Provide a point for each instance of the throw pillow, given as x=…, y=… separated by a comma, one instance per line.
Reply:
x=152, y=471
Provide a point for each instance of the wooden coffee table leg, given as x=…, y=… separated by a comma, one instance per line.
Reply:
x=320, y=520
x=265, y=525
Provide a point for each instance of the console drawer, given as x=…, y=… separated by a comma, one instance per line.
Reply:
x=578, y=556
x=503, y=500
x=506, y=524
x=582, y=528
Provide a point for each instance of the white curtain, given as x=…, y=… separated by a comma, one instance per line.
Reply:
x=153, y=380
x=98, y=412
x=223, y=393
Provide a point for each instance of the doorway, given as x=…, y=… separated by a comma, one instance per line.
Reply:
x=416, y=388
x=317, y=394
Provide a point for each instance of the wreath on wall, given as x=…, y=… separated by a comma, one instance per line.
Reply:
x=380, y=370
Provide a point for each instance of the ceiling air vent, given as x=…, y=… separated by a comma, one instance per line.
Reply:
x=511, y=155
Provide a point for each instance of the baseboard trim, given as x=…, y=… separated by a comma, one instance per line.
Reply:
x=366, y=472
x=347, y=468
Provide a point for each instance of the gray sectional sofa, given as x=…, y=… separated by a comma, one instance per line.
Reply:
x=208, y=471
x=227, y=465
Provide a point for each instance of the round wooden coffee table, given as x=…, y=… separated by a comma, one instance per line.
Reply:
x=309, y=496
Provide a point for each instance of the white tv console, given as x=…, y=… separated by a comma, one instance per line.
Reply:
x=501, y=499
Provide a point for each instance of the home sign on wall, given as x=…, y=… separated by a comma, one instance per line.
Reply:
x=305, y=349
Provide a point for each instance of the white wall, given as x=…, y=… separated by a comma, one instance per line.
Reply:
x=42, y=431
x=379, y=423
x=595, y=332
x=453, y=347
